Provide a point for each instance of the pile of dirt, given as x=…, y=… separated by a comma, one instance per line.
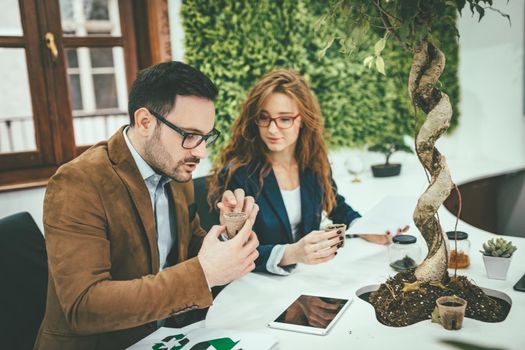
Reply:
x=398, y=308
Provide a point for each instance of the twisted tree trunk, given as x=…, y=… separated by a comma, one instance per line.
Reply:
x=427, y=65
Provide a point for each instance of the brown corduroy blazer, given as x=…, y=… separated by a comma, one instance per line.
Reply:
x=105, y=290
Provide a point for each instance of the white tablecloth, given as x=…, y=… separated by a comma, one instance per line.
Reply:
x=256, y=299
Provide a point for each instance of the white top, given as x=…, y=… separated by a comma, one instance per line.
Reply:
x=292, y=203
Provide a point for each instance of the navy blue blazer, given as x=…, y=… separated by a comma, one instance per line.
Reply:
x=272, y=225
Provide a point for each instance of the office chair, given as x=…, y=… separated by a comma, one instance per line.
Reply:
x=208, y=217
x=23, y=269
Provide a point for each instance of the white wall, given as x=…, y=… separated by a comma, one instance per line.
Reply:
x=176, y=30
x=25, y=200
x=491, y=71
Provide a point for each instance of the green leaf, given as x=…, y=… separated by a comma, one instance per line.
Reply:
x=380, y=65
x=481, y=12
x=460, y=4
x=379, y=46
x=322, y=52
x=404, y=31
x=367, y=62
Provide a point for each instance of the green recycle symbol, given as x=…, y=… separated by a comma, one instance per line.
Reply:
x=217, y=344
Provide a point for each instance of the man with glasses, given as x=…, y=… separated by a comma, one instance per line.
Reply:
x=126, y=250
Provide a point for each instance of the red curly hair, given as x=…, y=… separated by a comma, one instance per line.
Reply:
x=246, y=146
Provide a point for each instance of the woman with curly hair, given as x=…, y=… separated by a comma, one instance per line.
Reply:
x=278, y=155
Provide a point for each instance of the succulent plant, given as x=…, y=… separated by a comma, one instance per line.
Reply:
x=498, y=247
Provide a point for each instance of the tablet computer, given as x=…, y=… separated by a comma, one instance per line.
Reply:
x=311, y=314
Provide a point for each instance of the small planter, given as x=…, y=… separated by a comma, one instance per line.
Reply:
x=496, y=267
x=451, y=312
x=386, y=170
x=234, y=222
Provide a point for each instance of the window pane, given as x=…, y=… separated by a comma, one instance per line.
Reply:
x=10, y=23
x=96, y=10
x=105, y=91
x=72, y=58
x=75, y=91
x=98, y=92
x=90, y=17
x=101, y=57
x=17, y=132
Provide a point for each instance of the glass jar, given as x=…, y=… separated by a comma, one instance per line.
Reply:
x=404, y=253
x=460, y=257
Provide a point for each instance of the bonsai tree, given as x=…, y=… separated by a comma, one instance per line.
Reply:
x=388, y=144
x=412, y=26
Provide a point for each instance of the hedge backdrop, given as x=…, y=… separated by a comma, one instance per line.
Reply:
x=235, y=42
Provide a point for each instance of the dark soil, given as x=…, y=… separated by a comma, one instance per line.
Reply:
x=398, y=309
x=406, y=263
x=451, y=304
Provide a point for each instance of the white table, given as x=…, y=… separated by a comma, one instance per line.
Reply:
x=253, y=301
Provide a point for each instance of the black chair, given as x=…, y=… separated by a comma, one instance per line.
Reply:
x=207, y=216
x=23, y=270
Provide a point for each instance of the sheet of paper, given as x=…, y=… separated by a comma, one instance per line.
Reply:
x=391, y=213
x=204, y=338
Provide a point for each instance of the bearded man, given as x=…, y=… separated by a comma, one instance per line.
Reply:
x=126, y=251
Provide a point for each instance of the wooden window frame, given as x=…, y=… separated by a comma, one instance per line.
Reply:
x=145, y=40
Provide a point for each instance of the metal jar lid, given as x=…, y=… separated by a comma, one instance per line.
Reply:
x=404, y=239
x=460, y=235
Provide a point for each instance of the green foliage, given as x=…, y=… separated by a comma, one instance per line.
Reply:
x=235, y=42
x=409, y=22
x=498, y=247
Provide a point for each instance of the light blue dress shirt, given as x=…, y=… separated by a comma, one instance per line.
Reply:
x=159, y=198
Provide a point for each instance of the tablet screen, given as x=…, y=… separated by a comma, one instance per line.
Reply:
x=312, y=311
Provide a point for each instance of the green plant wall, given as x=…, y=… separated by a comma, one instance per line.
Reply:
x=236, y=42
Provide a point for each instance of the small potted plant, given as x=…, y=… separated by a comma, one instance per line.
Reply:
x=388, y=144
x=497, y=254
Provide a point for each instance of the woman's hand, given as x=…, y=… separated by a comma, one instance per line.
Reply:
x=237, y=201
x=377, y=239
x=314, y=248
x=385, y=239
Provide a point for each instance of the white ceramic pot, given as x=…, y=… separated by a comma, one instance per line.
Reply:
x=496, y=267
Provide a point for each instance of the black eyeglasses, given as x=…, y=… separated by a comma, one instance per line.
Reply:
x=282, y=122
x=190, y=140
